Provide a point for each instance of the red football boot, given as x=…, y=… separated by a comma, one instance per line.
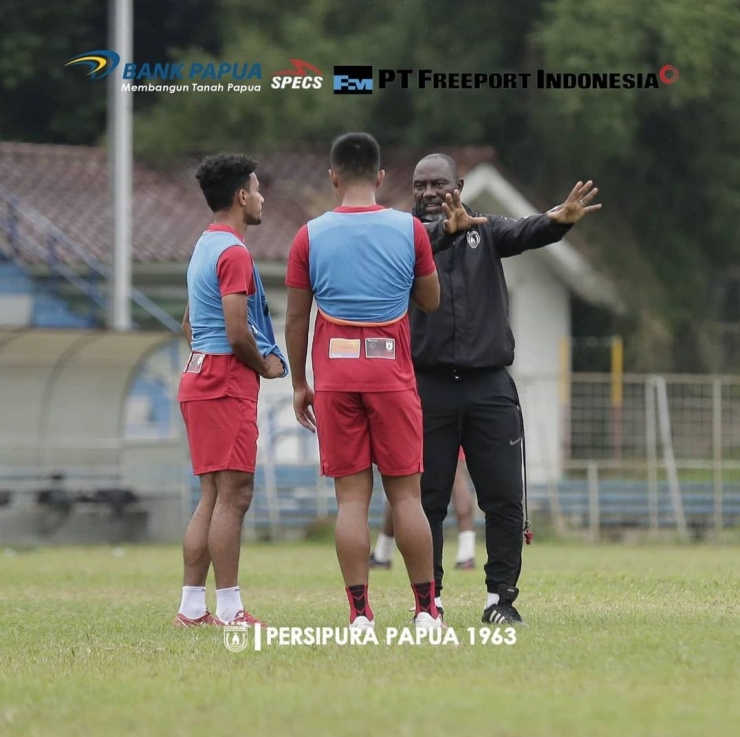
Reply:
x=182, y=621
x=242, y=619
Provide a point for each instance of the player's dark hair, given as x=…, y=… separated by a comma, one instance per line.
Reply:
x=449, y=161
x=222, y=176
x=355, y=157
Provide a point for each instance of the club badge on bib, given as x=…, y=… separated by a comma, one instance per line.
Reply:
x=195, y=363
x=380, y=348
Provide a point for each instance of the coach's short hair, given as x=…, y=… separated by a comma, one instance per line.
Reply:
x=355, y=157
x=222, y=176
x=451, y=163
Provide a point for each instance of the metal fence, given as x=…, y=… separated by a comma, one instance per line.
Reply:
x=704, y=416
x=654, y=451
x=655, y=454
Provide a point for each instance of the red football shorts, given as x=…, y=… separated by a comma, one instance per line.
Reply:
x=222, y=434
x=358, y=429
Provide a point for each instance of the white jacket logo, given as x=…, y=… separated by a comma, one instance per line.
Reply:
x=473, y=238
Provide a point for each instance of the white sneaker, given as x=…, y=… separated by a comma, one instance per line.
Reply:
x=363, y=623
x=425, y=621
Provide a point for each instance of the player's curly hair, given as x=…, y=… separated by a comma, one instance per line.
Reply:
x=222, y=176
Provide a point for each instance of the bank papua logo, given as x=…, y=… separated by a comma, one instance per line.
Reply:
x=303, y=76
x=100, y=62
x=103, y=62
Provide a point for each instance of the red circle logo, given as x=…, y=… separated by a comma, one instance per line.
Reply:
x=668, y=74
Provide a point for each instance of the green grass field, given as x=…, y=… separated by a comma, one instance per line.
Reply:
x=622, y=641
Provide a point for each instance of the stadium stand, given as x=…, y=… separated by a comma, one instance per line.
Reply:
x=68, y=468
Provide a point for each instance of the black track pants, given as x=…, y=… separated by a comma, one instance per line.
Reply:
x=478, y=410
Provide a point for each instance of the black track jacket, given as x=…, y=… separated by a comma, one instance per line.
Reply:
x=470, y=328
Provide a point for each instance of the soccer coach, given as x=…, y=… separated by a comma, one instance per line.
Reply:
x=460, y=354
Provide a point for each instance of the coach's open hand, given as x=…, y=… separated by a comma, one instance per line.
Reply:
x=576, y=206
x=303, y=406
x=457, y=217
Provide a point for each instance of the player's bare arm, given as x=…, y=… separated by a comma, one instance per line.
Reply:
x=576, y=205
x=425, y=292
x=187, y=329
x=297, y=321
x=240, y=336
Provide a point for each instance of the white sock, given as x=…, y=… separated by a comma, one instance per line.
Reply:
x=492, y=599
x=384, y=548
x=438, y=602
x=465, y=546
x=228, y=603
x=193, y=604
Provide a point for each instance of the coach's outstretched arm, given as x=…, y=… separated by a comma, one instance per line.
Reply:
x=297, y=320
x=512, y=237
x=576, y=205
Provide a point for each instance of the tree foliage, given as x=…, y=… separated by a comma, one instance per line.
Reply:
x=41, y=100
x=667, y=161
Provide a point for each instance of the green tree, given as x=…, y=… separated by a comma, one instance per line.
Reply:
x=42, y=101
x=667, y=160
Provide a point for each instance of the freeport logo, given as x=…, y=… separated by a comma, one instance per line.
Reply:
x=353, y=80
x=302, y=76
x=541, y=79
x=668, y=74
x=101, y=62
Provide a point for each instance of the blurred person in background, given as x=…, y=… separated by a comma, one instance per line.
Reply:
x=462, y=503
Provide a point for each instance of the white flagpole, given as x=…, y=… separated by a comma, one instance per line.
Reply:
x=121, y=23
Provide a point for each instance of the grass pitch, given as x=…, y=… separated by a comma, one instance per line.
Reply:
x=622, y=641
